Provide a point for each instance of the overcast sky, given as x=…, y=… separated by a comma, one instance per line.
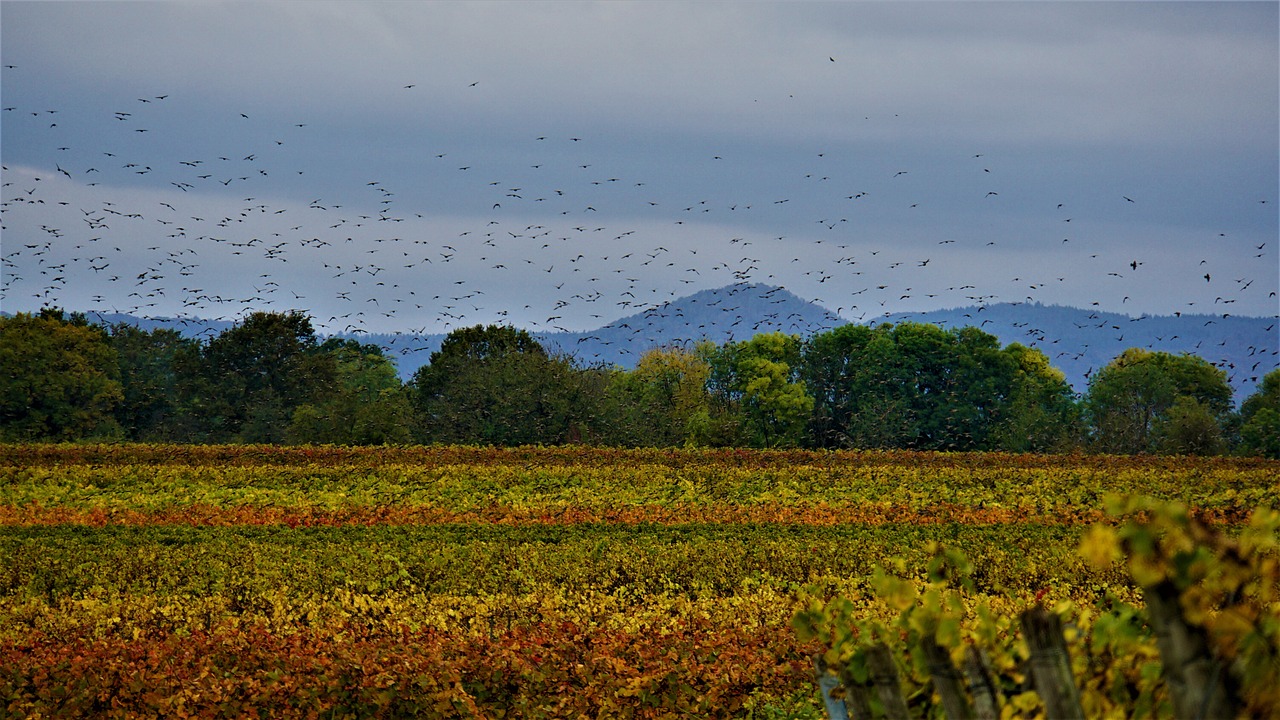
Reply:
x=425, y=166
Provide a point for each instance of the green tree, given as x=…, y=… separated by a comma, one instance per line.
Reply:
x=1260, y=419
x=59, y=379
x=758, y=379
x=497, y=385
x=258, y=373
x=973, y=394
x=1042, y=413
x=154, y=372
x=830, y=369
x=719, y=423
x=910, y=385
x=860, y=384
x=1129, y=400
x=1190, y=427
x=663, y=400
x=367, y=405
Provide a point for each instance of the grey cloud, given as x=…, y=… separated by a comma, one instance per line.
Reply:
x=1032, y=71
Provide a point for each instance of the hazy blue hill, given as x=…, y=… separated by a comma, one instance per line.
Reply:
x=734, y=312
x=1079, y=341
x=1076, y=341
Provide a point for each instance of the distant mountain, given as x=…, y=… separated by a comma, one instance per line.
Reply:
x=1079, y=342
x=187, y=327
x=1076, y=341
x=734, y=312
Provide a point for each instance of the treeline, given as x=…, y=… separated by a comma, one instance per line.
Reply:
x=271, y=379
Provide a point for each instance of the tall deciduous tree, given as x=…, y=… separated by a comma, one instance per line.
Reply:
x=663, y=400
x=497, y=385
x=367, y=405
x=859, y=386
x=1260, y=419
x=59, y=379
x=259, y=372
x=156, y=370
x=912, y=385
x=1129, y=400
x=759, y=380
x=1042, y=413
x=1190, y=427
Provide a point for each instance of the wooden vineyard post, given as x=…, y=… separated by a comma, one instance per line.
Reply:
x=1199, y=684
x=985, y=703
x=884, y=677
x=946, y=680
x=1051, y=664
x=857, y=702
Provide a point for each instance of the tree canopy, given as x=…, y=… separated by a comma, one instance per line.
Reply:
x=271, y=378
x=1130, y=399
x=264, y=368
x=662, y=402
x=60, y=377
x=1260, y=419
x=155, y=367
x=496, y=385
x=918, y=386
x=366, y=406
x=759, y=381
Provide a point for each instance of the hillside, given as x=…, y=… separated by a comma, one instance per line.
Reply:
x=1079, y=341
x=1076, y=341
x=734, y=312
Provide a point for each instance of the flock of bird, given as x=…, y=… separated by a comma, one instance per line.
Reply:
x=134, y=230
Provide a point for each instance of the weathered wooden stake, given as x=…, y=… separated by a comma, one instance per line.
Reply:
x=884, y=678
x=1200, y=686
x=857, y=701
x=1051, y=664
x=946, y=680
x=986, y=705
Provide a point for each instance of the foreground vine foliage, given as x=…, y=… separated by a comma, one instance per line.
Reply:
x=225, y=581
x=1205, y=641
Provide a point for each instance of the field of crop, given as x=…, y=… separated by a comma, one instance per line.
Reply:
x=225, y=581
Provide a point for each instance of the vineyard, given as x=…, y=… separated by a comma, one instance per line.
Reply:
x=228, y=581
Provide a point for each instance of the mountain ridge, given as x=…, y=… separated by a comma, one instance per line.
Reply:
x=1080, y=341
x=1077, y=341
